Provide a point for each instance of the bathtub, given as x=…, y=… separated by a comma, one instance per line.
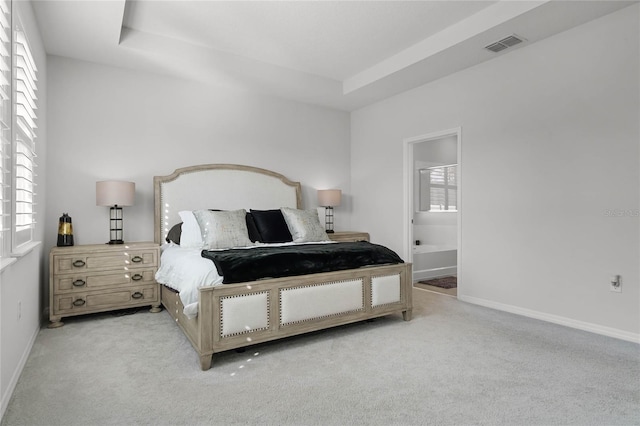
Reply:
x=431, y=261
x=429, y=248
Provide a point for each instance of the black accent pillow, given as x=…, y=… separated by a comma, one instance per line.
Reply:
x=174, y=234
x=271, y=226
x=254, y=234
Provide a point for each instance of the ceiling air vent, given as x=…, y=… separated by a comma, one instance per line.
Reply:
x=505, y=43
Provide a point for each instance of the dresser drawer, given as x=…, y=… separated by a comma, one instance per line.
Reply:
x=125, y=259
x=83, y=302
x=102, y=277
x=66, y=283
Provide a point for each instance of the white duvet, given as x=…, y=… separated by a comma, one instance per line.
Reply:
x=185, y=270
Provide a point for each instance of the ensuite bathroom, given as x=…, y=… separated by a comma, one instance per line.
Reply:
x=435, y=216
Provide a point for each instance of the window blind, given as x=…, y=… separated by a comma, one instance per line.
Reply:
x=25, y=72
x=5, y=125
x=443, y=188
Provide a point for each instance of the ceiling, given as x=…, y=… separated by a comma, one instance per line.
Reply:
x=339, y=54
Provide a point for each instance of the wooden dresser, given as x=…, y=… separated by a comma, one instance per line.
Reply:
x=349, y=236
x=96, y=278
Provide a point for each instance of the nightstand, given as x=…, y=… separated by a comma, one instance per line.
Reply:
x=349, y=236
x=96, y=278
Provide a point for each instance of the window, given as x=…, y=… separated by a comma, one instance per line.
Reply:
x=25, y=88
x=439, y=188
x=5, y=126
x=18, y=117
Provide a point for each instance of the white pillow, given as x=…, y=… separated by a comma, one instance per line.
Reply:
x=304, y=225
x=191, y=237
x=223, y=229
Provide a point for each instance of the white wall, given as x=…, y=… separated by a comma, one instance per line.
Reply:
x=549, y=147
x=21, y=283
x=113, y=123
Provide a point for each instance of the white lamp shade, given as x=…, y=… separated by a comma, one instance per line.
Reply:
x=115, y=193
x=329, y=197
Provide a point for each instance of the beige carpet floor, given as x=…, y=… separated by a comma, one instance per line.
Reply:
x=453, y=364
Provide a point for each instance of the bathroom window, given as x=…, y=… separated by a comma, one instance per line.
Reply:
x=439, y=188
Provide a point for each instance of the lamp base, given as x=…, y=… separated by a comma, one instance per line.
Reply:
x=328, y=219
x=115, y=225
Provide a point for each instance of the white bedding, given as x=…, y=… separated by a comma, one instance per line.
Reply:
x=185, y=270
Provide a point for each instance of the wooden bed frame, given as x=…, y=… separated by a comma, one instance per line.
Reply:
x=236, y=315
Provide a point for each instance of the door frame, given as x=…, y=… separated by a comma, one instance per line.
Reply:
x=409, y=145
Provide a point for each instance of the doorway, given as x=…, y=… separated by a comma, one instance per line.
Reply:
x=433, y=209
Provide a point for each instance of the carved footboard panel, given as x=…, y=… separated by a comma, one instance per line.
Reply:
x=236, y=315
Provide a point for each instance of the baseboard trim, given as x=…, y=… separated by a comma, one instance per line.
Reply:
x=427, y=274
x=567, y=322
x=16, y=374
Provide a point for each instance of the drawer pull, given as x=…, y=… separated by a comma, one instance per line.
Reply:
x=136, y=259
x=78, y=283
x=78, y=302
x=136, y=277
x=137, y=295
x=79, y=263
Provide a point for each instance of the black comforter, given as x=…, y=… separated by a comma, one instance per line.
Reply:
x=242, y=265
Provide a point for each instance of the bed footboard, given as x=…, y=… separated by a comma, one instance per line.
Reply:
x=237, y=315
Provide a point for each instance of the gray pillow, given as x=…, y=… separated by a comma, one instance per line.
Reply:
x=223, y=229
x=304, y=225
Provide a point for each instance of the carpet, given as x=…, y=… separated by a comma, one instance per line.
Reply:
x=453, y=364
x=443, y=282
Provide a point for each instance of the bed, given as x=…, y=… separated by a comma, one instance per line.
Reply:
x=221, y=317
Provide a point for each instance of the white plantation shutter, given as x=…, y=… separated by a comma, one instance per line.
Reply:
x=25, y=139
x=443, y=188
x=5, y=126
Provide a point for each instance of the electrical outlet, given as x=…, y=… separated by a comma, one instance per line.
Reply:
x=19, y=310
x=616, y=284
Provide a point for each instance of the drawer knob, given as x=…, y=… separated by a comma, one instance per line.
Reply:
x=136, y=259
x=78, y=302
x=136, y=277
x=79, y=263
x=78, y=283
x=137, y=295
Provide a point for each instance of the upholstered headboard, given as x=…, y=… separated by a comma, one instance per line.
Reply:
x=219, y=186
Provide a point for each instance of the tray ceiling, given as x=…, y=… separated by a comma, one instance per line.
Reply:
x=339, y=54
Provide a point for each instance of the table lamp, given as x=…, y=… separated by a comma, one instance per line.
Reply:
x=329, y=198
x=115, y=194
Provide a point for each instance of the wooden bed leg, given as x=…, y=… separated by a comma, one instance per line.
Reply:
x=406, y=315
x=205, y=362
